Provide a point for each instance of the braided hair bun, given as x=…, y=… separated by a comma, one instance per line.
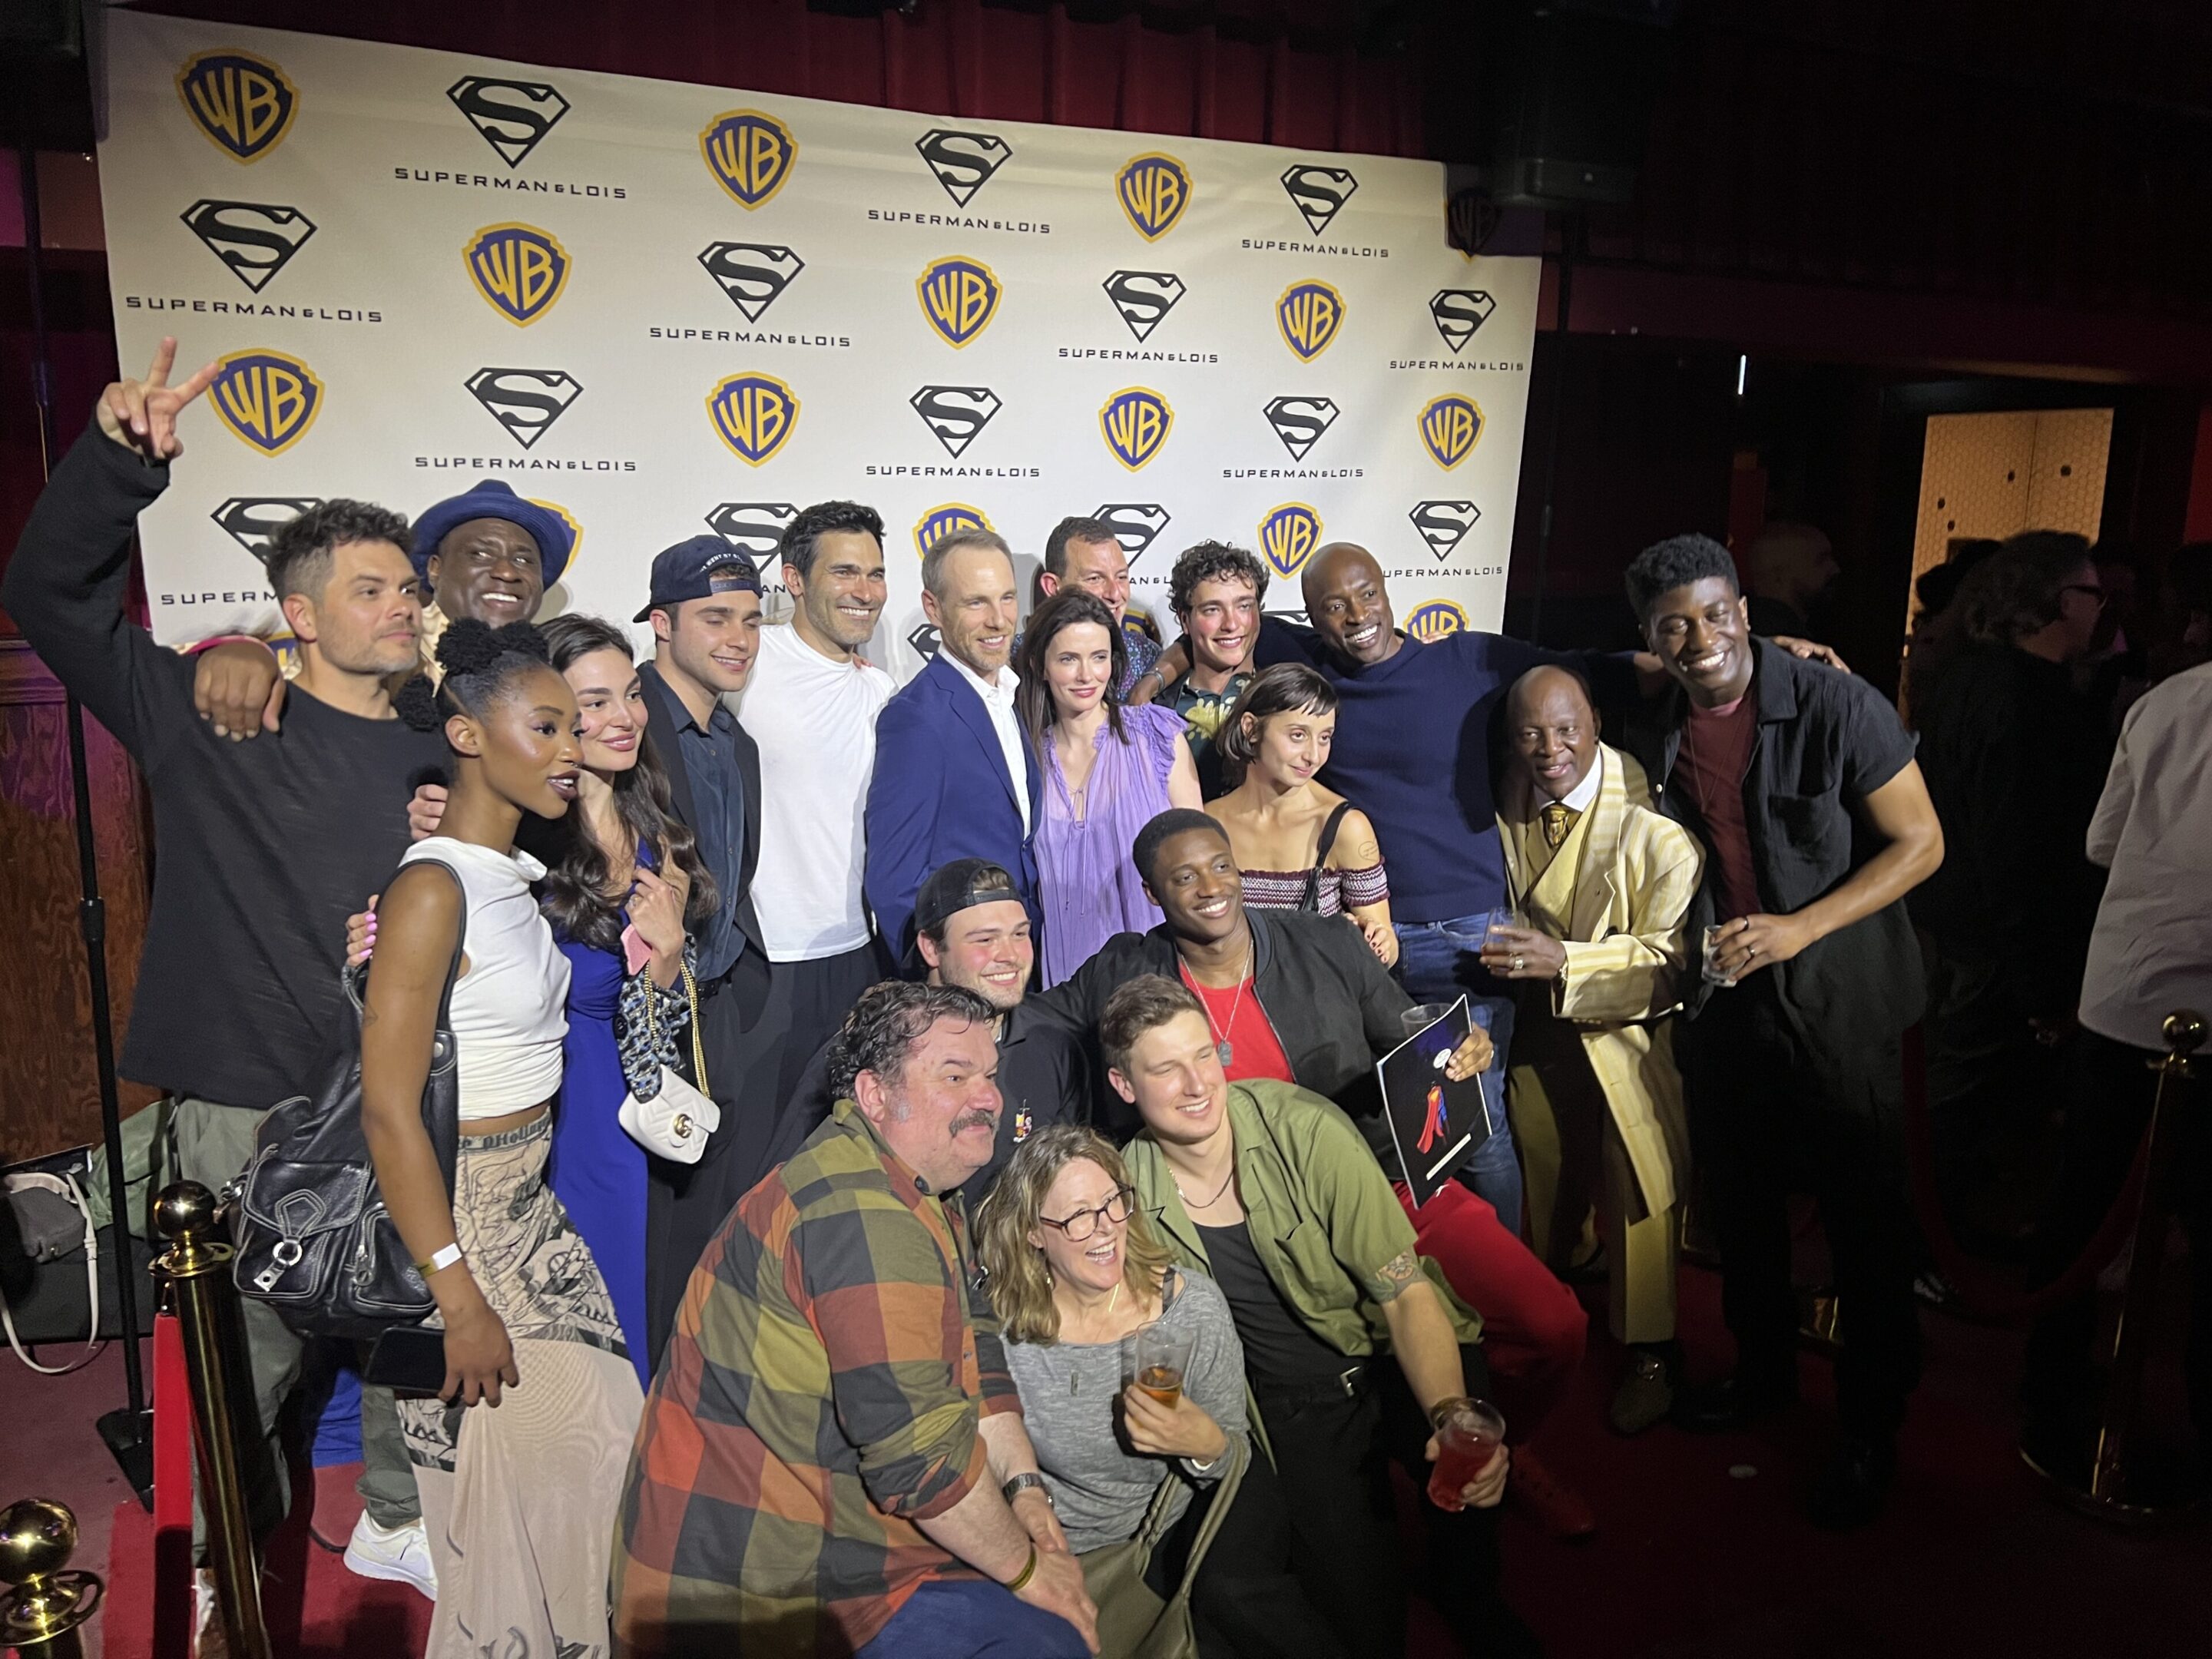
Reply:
x=479, y=661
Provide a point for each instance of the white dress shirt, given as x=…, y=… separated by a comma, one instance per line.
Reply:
x=2151, y=951
x=999, y=704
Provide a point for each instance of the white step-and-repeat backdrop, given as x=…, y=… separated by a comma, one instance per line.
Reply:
x=664, y=308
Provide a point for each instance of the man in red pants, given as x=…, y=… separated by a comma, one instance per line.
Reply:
x=1301, y=999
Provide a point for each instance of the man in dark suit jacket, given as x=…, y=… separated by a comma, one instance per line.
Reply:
x=705, y=611
x=956, y=777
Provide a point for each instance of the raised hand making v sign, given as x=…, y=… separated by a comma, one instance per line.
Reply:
x=142, y=414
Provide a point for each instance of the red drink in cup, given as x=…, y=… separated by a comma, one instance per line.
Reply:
x=1467, y=1436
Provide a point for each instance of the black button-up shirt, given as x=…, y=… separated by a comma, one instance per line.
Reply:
x=718, y=800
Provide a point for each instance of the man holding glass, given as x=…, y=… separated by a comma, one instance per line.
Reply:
x=1604, y=885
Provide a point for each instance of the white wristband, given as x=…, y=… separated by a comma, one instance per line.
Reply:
x=439, y=1260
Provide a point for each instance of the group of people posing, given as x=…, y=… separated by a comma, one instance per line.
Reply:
x=1041, y=1002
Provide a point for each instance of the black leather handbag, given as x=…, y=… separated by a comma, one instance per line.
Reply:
x=312, y=1237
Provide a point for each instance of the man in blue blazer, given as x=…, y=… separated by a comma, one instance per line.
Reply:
x=956, y=776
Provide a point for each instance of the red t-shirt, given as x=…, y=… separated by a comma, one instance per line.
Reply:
x=1715, y=754
x=1239, y=1021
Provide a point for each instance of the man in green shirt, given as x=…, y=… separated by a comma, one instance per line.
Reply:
x=1352, y=1339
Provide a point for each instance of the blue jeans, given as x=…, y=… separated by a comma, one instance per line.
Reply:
x=973, y=1618
x=1438, y=961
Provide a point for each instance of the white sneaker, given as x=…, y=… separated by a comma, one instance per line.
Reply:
x=400, y=1555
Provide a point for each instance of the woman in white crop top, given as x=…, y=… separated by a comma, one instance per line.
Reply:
x=518, y=1503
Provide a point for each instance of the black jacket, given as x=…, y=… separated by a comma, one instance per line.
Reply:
x=1333, y=1006
x=665, y=718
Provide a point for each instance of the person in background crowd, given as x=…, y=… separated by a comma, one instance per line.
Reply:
x=1086, y=554
x=955, y=777
x=263, y=848
x=831, y=1460
x=705, y=609
x=1300, y=846
x=971, y=930
x=1215, y=591
x=1074, y=1273
x=2116, y=670
x=2184, y=638
x=518, y=1459
x=1787, y=570
x=1800, y=783
x=2150, y=956
x=811, y=705
x=489, y=554
x=1301, y=999
x=2014, y=757
x=1604, y=884
x=1108, y=771
x=1267, y=1190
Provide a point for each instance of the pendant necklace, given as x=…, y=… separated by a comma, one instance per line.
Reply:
x=1223, y=1048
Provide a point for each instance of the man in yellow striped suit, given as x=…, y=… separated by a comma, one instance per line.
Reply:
x=1604, y=885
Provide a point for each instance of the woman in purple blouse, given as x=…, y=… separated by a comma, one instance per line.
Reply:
x=1108, y=770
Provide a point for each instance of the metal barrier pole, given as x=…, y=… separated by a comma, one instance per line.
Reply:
x=196, y=1263
x=41, y=1616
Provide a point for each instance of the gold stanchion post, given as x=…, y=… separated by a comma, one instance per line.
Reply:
x=48, y=1603
x=197, y=1264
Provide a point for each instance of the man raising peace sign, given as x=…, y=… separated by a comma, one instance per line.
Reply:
x=263, y=848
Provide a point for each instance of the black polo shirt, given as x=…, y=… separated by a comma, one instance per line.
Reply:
x=1827, y=740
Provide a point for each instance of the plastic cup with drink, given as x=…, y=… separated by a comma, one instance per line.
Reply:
x=1163, y=1362
x=1468, y=1433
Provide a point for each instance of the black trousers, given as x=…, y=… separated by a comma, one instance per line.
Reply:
x=1248, y=1603
x=1769, y=1118
x=1333, y=1455
x=2113, y=1090
x=758, y=1026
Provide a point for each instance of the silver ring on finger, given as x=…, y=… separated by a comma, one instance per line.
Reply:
x=1519, y=963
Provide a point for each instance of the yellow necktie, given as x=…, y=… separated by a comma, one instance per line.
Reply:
x=1558, y=818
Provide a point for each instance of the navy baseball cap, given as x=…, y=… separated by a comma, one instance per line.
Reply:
x=695, y=570
x=492, y=499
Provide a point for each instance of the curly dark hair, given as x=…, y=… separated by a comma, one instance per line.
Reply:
x=1676, y=562
x=298, y=555
x=1212, y=562
x=1141, y=1004
x=481, y=663
x=2005, y=598
x=880, y=1032
x=1064, y=610
x=803, y=532
x=575, y=897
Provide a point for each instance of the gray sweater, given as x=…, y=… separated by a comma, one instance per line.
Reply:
x=1099, y=1487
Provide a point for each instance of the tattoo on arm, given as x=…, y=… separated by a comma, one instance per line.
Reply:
x=1392, y=1278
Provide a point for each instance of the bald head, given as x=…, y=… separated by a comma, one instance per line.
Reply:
x=1795, y=563
x=1348, y=604
x=1552, y=725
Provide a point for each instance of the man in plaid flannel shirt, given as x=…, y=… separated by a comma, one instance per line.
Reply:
x=832, y=1461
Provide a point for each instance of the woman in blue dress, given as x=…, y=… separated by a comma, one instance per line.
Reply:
x=623, y=883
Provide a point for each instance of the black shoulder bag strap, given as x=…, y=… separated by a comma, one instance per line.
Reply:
x=1311, y=901
x=441, y=1105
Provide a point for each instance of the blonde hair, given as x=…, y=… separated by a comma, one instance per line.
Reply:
x=1018, y=1279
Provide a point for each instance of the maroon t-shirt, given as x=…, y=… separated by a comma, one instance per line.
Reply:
x=1715, y=754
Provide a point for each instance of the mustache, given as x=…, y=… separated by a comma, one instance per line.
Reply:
x=978, y=1118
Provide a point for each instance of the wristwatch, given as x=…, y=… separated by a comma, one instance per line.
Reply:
x=1022, y=1482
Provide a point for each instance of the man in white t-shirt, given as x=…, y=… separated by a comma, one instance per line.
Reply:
x=812, y=705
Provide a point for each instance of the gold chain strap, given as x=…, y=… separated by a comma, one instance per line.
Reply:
x=652, y=1023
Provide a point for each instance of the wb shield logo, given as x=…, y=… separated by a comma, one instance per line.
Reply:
x=519, y=269
x=959, y=296
x=1310, y=314
x=1470, y=219
x=525, y=401
x=252, y=520
x=754, y=528
x=754, y=414
x=268, y=399
x=256, y=239
x=1153, y=190
x=753, y=274
x=1318, y=193
x=1300, y=421
x=1449, y=427
x=1443, y=524
x=1135, y=422
x=1143, y=298
x=955, y=414
x=941, y=521
x=750, y=155
x=1458, y=312
x=511, y=116
x=242, y=103
x=963, y=162
x=1431, y=621
x=1135, y=524
x=1288, y=534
